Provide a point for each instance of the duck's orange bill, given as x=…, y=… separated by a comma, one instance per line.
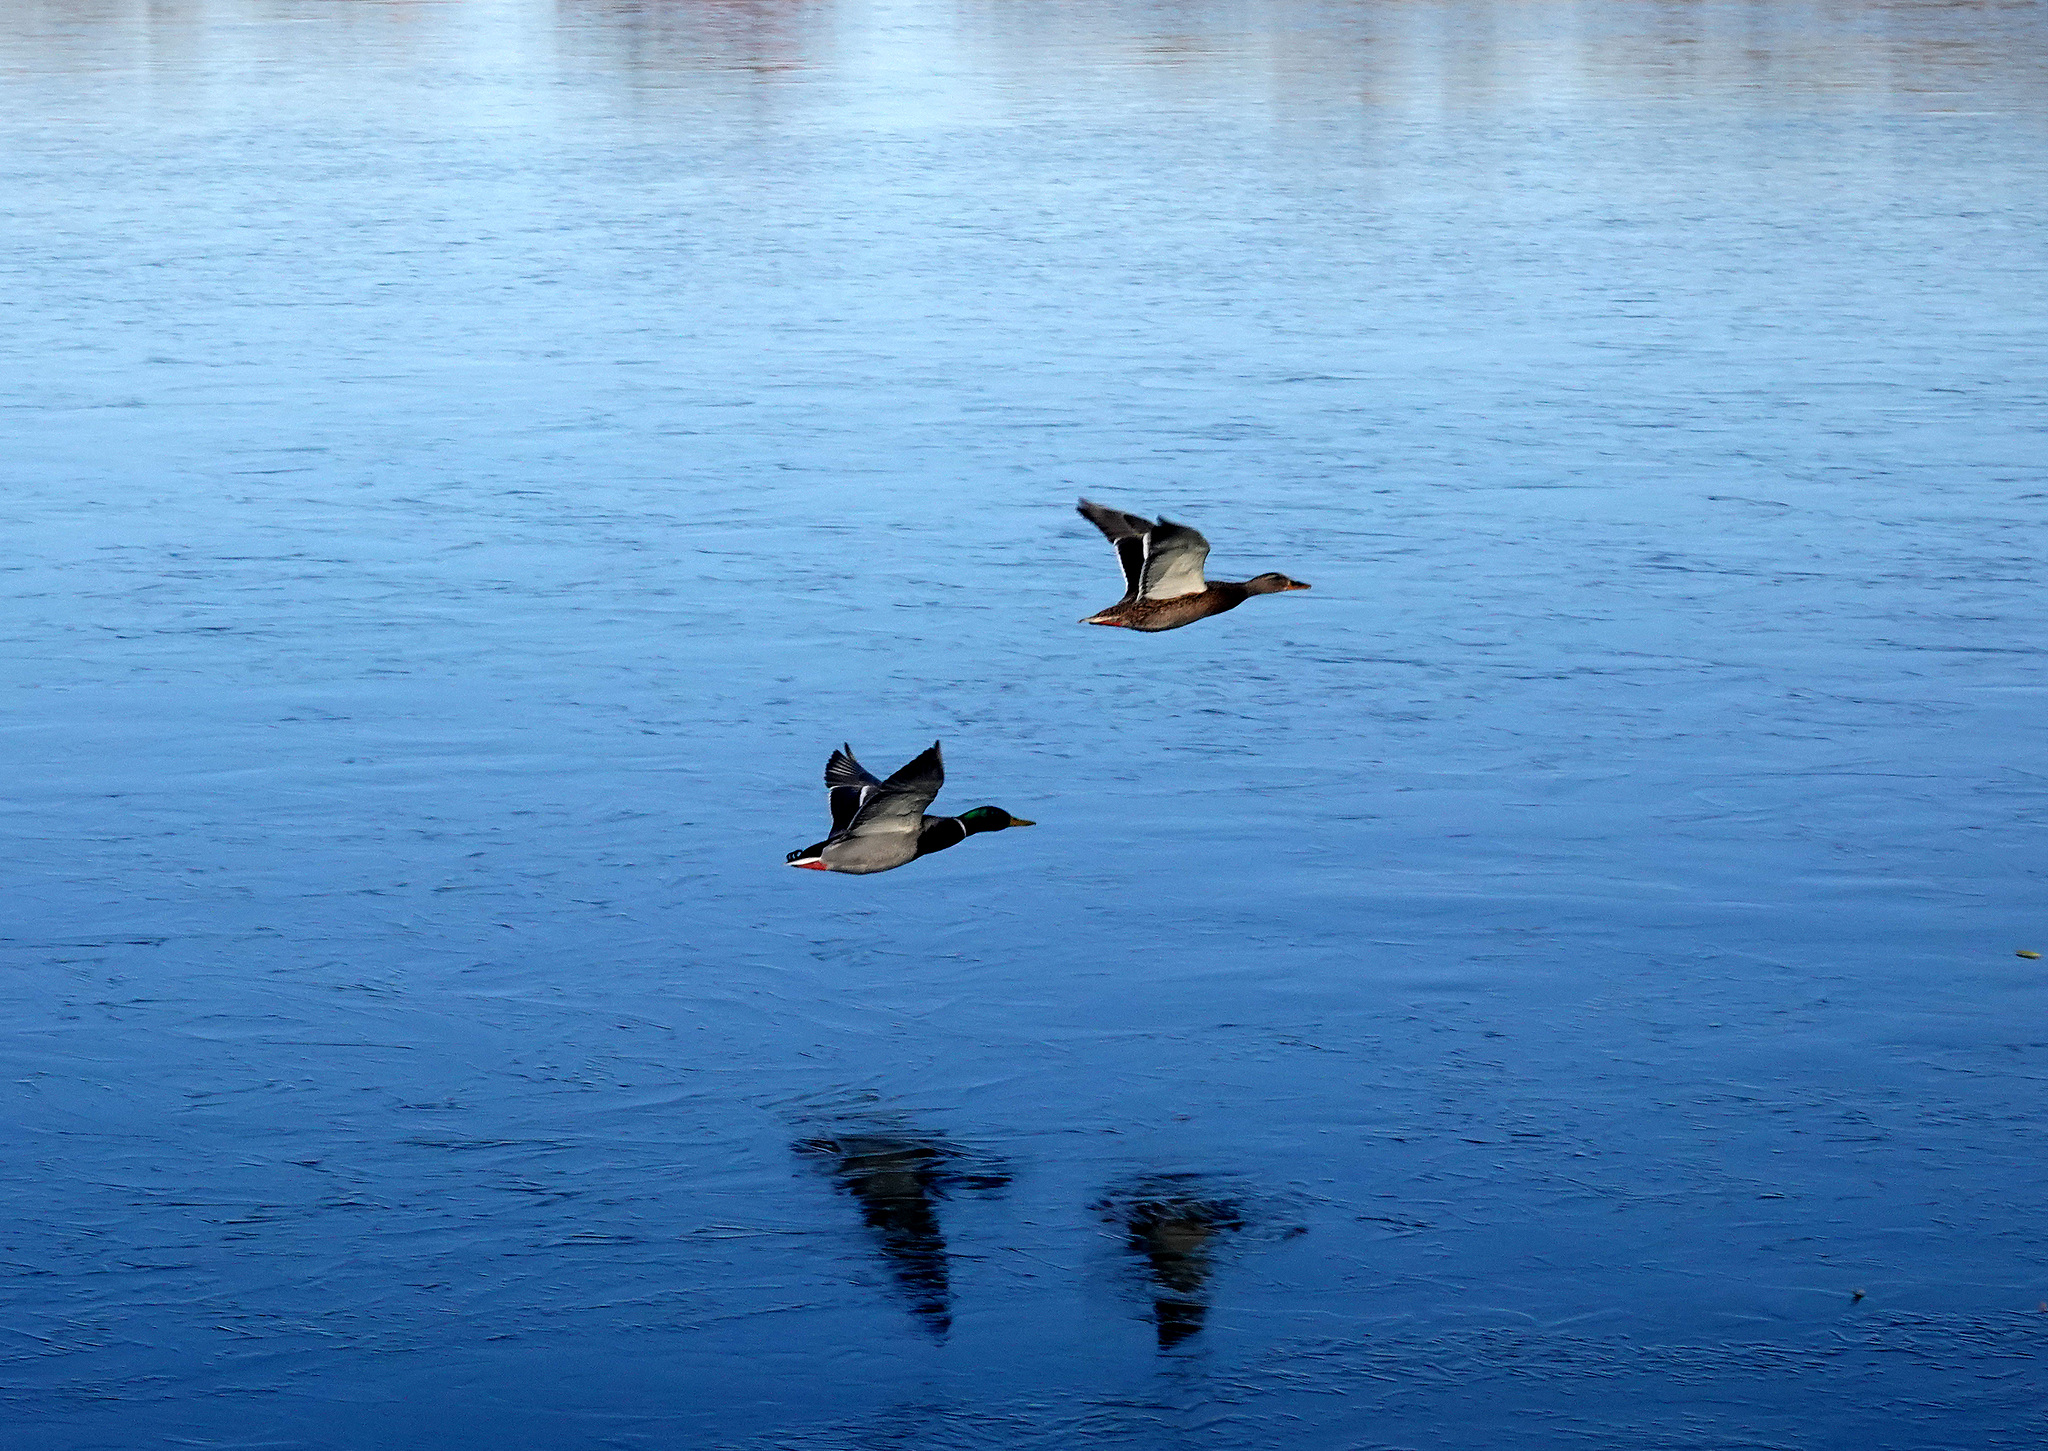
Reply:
x=811, y=866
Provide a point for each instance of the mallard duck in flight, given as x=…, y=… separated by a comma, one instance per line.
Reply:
x=879, y=825
x=1163, y=584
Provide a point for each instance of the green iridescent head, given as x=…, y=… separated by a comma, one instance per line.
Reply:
x=990, y=818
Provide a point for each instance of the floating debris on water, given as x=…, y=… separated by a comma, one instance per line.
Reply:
x=2027, y=952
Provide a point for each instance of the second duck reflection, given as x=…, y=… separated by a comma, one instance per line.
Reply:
x=1167, y=1222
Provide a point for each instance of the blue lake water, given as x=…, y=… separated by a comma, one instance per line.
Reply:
x=1551, y=985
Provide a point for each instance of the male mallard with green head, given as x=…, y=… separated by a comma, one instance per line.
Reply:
x=1163, y=584
x=880, y=825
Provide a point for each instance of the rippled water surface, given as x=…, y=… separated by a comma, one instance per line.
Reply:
x=1551, y=985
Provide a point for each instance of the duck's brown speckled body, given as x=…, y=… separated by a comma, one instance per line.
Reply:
x=1164, y=588
x=1181, y=610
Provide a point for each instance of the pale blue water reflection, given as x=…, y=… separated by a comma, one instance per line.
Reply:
x=469, y=462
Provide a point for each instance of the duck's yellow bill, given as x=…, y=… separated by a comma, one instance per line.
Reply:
x=1020, y=821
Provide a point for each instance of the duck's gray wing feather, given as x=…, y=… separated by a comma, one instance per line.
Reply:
x=851, y=786
x=844, y=770
x=1174, y=555
x=898, y=804
x=1127, y=532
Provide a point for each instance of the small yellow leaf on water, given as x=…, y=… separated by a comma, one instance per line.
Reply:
x=2024, y=952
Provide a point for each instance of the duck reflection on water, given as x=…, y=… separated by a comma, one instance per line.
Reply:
x=1175, y=1227
x=899, y=1181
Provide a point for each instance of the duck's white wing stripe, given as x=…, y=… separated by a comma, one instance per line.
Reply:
x=1127, y=532
x=846, y=804
x=1130, y=553
x=1174, y=555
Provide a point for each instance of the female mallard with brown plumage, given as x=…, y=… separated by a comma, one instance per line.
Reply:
x=1163, y=584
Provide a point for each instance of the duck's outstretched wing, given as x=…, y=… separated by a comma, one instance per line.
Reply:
x=1127, y=532
x=1174, y=555
x=1161, y=561
x=851, y=786
x=898, y=804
